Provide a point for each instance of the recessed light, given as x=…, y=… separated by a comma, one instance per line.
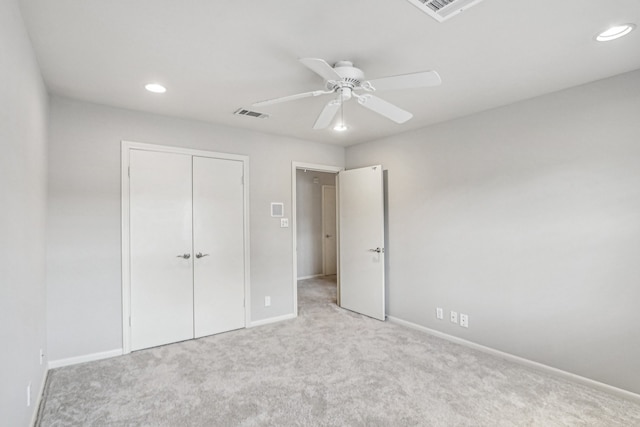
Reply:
x=155, y=88
x=615, y=32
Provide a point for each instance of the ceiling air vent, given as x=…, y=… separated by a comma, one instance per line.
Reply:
x=244, y=112
x=441, y=10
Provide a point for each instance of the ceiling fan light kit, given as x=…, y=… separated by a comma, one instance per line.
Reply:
x=340, y=127
x=345, y=81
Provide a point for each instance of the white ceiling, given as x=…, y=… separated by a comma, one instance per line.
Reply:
x=218, y=55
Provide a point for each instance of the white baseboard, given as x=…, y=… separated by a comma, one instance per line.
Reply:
x=272, y=320
x=313, y=276
x=34, y=416
x=85, y=358
x=522, y=361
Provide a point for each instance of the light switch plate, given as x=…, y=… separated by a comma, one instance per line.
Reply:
x=284, y=222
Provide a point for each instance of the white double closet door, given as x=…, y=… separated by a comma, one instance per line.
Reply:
x=186, y=222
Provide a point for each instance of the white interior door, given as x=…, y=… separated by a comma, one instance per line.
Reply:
x=160, y=248
x=329, y=229
x=361, y=251
x=218, y=245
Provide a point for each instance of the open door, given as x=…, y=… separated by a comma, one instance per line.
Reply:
x=361, y=247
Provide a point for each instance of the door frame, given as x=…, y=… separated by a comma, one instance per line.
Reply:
x=294, y=241
x=126, y=147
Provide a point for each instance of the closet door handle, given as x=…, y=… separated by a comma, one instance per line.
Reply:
x=200, y=255
x=185, y=256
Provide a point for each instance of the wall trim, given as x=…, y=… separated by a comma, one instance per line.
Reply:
x=625, y=394
x=85, y=358
x=273, y=320
x=36, y=412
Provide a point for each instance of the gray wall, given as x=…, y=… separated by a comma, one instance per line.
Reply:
x=526, y=218
x=309, y=220
x=84, y=285
x=23, y=129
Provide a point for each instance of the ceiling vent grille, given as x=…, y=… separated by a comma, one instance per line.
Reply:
x=249, y=113
x=441, y=10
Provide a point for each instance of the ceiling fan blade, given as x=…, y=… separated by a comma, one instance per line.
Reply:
x=328, y=113
x=321, y=67
x=384, y=108
x=291, y=98
x=407, y=81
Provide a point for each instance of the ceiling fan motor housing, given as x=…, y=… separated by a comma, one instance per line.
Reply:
x=351, y=77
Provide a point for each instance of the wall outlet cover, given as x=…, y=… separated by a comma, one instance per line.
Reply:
x=454, y=316
x=439, y=313
x=464, y=320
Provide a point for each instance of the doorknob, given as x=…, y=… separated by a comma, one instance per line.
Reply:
x=200, y=255
x=185, y=256
x=328, y=235
x=377, y=250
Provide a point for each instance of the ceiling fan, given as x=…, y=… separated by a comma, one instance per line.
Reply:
x=345, y=80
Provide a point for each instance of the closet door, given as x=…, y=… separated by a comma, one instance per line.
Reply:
x=161, y=258
x=218, y=245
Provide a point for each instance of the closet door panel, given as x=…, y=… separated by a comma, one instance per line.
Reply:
x=160, y=234
x=218, y=235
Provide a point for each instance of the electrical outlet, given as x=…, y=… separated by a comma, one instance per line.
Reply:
x=267, y=301
x=454, y=316
x=41, y=356
x=29, y=395
x=439, y=313
x=464, y=320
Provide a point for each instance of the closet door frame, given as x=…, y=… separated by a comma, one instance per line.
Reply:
x=126, y=148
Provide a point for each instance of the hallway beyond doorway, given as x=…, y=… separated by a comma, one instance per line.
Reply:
x=317, y=291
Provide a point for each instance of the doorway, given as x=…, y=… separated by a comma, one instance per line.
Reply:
x=361, y=235
x=316, y=223
x=312, y=254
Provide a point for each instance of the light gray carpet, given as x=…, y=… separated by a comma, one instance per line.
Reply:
x=328, y=367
